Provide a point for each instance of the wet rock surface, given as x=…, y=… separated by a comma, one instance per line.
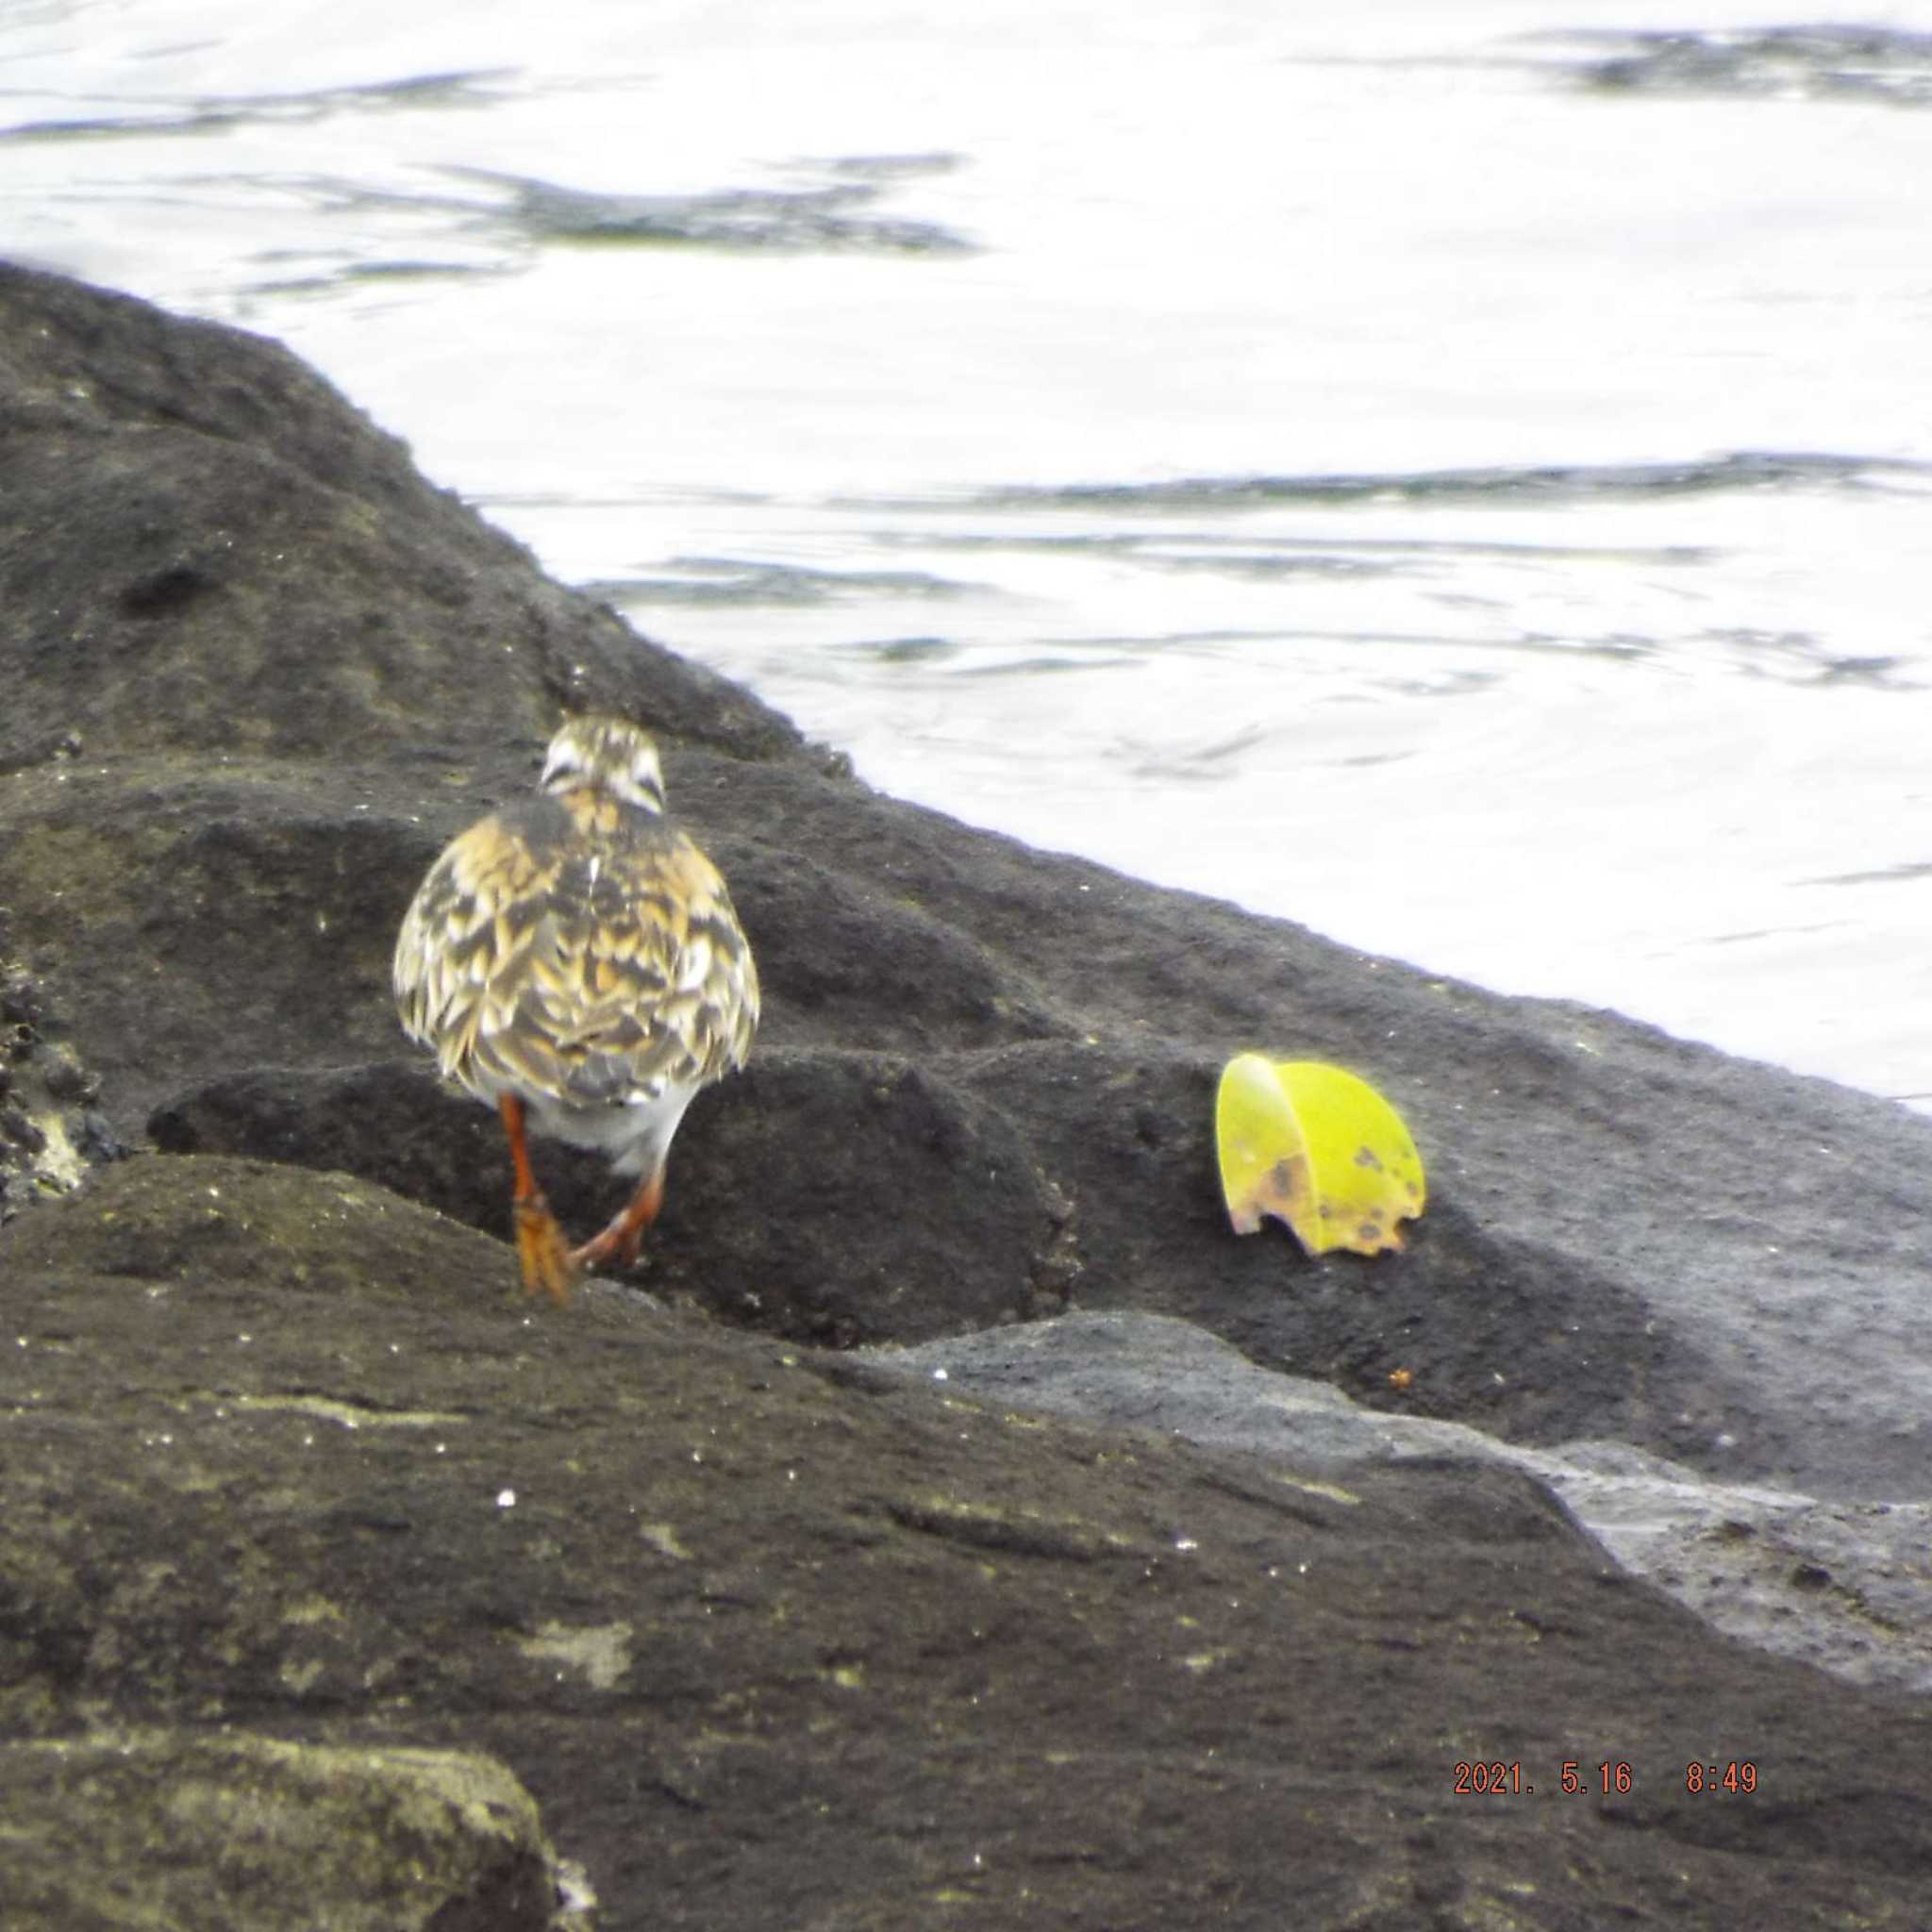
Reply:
x=771, y=1633
x=1836, y=1584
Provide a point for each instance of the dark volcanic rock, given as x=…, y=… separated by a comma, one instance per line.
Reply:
x=775, y=1641
x=206, y=551
x=773, y=1636
x=963, y=1232
x=1833, y=1583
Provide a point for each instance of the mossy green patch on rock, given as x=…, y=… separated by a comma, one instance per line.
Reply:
x=50, y=1131
x=233, y=1833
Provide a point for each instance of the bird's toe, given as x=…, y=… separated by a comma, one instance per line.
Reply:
x=549, y=1267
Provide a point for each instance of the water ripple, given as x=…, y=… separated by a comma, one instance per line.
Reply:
x=212, y=113
x=830, y=217
x=750, y=581
x=1821, y=62
x=1561, y=484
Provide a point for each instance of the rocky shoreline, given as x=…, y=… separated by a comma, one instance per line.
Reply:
x=762, y=1589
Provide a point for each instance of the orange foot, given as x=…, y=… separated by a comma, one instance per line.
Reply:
x=549, y=1268
x=625, y=1235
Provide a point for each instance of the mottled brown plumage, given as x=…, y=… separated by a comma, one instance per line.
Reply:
x=576, y=959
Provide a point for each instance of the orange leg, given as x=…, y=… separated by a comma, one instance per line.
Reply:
x=546, y=1261
x=624, y=1234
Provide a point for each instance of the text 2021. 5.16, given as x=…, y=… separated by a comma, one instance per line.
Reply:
x=1504, y=1778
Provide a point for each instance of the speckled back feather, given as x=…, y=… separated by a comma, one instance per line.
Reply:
x=577, y=948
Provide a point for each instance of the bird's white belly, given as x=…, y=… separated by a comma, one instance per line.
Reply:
x=635, y=1134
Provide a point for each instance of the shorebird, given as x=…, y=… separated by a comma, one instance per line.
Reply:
x=574, y=960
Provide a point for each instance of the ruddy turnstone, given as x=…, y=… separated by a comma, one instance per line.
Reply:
x=575, y=959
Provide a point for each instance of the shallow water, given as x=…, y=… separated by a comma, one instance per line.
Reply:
x=1457, y=477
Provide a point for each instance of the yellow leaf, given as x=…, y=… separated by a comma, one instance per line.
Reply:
x=1318, y=1147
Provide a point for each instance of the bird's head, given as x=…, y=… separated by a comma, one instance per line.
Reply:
x=607, y=752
